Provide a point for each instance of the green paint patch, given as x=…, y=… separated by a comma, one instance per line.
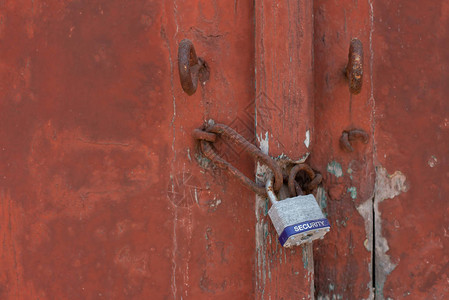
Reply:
x=350, y=173
x=353, y=191
x=265, y=211
x=323, y=199
x=305, y=259
x=335, y=168
x=340, y=223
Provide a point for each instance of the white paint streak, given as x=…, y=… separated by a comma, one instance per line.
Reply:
x=433, y=161
x=307, y=140
x=261, y=175
x=386, y=187
x=366, y=211
x=263, y=143
x=196, y=196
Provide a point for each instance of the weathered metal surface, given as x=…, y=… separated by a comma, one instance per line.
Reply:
x=351, y=135
x=101, y=195
x=239, y=141
x=310, y=183
x=191, y=68
x=354, y=68
x=343, y=259
x=199, y=134
x=284, y=118
x=411, y=71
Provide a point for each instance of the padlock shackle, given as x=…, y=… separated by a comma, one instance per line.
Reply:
x=270, y=191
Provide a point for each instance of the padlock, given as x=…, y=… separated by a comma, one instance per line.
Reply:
x=297, y=220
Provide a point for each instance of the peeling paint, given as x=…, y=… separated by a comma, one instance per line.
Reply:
x=335, y=168
x=433, y=161
x=322, y=199
x=261, y=207
x=307, y=140
x=386, y=187
x=263, y=142
x=366, y=211
x=305, y=259
x=285, y=159
x=353, y=191
x=350, y=173
x=213, y=204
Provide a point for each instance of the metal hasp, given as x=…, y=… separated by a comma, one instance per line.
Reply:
x=206, y=138
x=297, y=219
x=191, y=68
x=354, y=68
x=351, y=135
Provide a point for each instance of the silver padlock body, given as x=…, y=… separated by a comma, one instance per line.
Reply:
x=298, y=220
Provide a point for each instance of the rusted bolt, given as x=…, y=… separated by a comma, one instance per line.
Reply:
x=191, y=68
x=354, y=68
x=351, y=135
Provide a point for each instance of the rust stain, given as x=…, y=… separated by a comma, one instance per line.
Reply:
x=354, y=68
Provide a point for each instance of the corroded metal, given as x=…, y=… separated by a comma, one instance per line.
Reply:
x=232, y=136
x=354, y=68
x=191, y=68
x=199, y=134
x=309, y=186
x=348, y=136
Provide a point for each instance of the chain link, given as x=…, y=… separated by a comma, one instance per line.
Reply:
x=309, y=186
x=209, y=135
x=206, y=145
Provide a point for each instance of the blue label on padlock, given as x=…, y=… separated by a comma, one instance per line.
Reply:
x=302, y=227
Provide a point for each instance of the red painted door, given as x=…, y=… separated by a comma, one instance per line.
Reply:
x=104, y=193
x=101, y=195
x=386, y=199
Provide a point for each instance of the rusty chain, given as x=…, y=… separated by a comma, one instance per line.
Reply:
x=209, y=135
x=308, y=186
x=206, y=140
